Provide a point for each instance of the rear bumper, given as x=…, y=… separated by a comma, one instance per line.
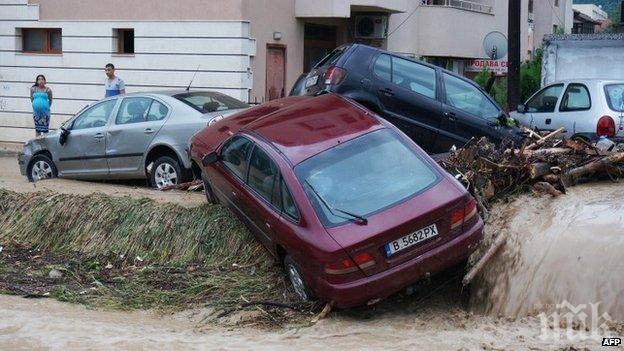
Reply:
x=593, y=137
x=393, y=280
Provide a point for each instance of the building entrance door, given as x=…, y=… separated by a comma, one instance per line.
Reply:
x=318, y=42
x=275, y=72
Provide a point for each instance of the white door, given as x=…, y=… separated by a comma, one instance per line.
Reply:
x=541, y=107
x=575, y=109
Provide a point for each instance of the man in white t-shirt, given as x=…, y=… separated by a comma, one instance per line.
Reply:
x=113, y=84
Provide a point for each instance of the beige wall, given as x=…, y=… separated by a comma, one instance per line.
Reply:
x=451, y=32
x=143, y=10
x=342, y=8
x=547, y=16
x=266, y=17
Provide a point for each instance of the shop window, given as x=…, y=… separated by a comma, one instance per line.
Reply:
x=42, y=40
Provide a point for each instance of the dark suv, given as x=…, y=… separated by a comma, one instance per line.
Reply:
x=435, y=107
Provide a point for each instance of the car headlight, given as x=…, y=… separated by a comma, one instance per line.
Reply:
x=215, y=120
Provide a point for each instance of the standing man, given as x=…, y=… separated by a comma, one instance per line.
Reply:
x=113, y=84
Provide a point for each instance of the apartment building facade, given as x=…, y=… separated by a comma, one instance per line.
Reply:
x=253, y=50
x=589, y=18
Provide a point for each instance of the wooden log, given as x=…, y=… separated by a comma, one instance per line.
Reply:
x=573, y=174
x=575, y=145
x=472, y=273
x=323, y=314
x=552, y=178
x=182, y=186
x=548, y=152
x=538, y=169
x=544, y=187
x=532, y=134
x=543, y=140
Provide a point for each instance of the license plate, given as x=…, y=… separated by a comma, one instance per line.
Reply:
x=410, y=240
x=311, y=81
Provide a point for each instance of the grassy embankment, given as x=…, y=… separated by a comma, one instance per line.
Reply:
x=131, y=253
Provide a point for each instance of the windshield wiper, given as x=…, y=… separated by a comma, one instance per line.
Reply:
x=332, y=209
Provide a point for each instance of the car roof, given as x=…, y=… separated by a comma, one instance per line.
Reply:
x=588, y=81
x=169, y=92
x=301, y=127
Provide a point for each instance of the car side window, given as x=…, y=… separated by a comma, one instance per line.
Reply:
x=288, y=204
x=157, y=111
x=468, y=98
x=383, y=67
x=133, y=110
x=95, y=116
x=414, y=76
x=575, y=98
x=234, y=155
x=262, y=174
x=545, y=100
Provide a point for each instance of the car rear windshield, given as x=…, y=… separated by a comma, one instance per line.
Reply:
x=363, y=176
x=208, y=101
x=332, y=57
x=615, y=96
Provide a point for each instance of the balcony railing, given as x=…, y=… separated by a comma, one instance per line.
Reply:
x=463, y=4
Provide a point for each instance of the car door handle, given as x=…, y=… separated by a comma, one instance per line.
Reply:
x=548, y=120
x=387, y=91
x=451, y=116
x=98, y=136
x=234, y=193
x=148, y=131
x=267, y=224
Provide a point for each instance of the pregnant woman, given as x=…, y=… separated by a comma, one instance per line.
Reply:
x=41, y=98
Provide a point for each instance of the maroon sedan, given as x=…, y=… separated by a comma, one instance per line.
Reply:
x=353, y=208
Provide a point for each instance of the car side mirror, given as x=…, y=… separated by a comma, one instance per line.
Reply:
x=521, y=108
x=210, y=159
x=63, y=136
x=493, y=123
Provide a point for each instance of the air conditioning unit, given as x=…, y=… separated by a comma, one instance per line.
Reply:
x=371, y=26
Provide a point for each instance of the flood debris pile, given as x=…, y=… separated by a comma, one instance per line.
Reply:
x=132, y=253
x=543, y=164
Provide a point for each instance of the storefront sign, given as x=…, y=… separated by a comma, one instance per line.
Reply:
x=497, y=66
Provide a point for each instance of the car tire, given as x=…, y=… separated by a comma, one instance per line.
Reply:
x=41, y=167
x=166, y=171
x=210, y=195
x=297, y=280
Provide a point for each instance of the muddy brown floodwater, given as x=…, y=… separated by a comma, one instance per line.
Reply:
x=568, y=248
x=565, y=249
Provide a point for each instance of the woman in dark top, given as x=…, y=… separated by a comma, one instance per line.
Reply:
x=41, y=98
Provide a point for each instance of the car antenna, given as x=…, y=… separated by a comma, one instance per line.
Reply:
x=191, y=82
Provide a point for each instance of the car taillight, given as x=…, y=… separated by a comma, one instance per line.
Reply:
x=347, y=265
x=463, y=215
x=364, y=260
x=334, y=75
x=605, y=127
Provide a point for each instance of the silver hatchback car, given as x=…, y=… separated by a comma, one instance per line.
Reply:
x=133, y=136
x=585, y=108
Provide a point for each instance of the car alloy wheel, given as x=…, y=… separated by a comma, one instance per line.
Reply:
x=296, y=279
x=41, y=170
x=166, y=175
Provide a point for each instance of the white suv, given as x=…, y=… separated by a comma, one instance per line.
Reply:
x=586, y=108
